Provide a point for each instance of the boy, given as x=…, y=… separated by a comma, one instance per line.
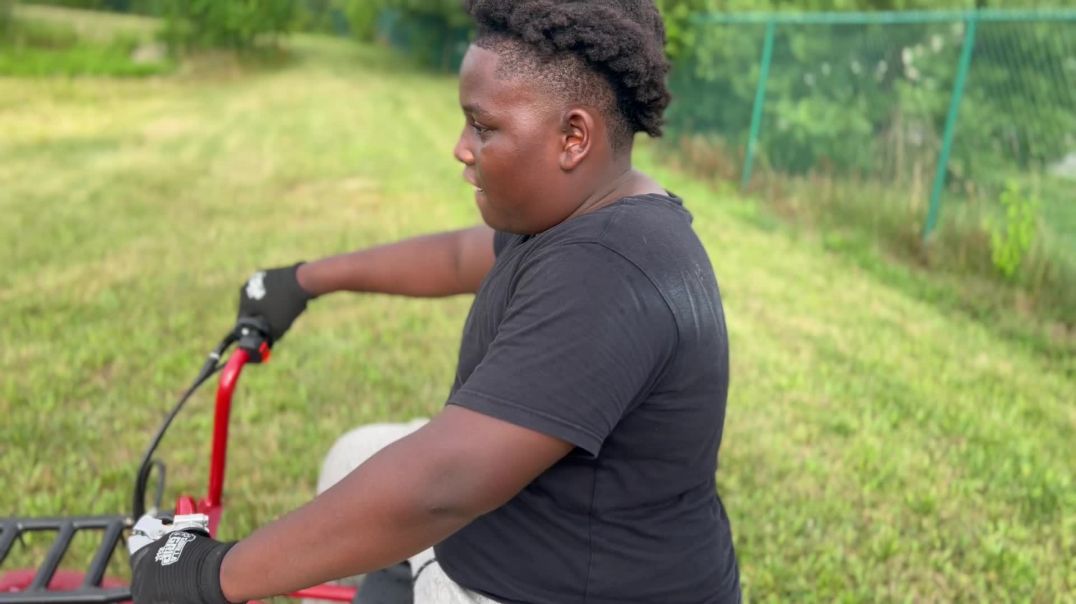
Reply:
x=575, y=458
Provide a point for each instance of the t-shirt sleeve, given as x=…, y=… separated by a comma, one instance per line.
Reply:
x=585, y=335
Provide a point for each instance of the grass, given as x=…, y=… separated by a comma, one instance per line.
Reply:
x=882, y=230
x=879, y=225
x=50, y=41
x=89, y=25
x=880, y=446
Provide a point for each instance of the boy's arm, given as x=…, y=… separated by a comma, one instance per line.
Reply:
x=442, y=264
x=407, y=497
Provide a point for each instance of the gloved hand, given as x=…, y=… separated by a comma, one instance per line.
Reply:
x=180, y=568
x=276, y=296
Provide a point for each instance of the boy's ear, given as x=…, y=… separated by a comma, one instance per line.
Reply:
x=578, y=131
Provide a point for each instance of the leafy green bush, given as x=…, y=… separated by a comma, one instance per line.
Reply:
x=5, y=18
x=362, y=19
x=448, y=12
x=323, y=16
x=1011, y=237
x=435, y=32
x=232, y=24
x=144, y=7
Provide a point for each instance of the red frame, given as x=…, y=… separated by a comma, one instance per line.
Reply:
x=212, y=504
x=63, y=580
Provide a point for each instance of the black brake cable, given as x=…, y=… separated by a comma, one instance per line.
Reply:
x=211, y=366
x=158, y=494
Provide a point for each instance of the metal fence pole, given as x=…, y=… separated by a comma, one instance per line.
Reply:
x=760, y=99
x=950, y=124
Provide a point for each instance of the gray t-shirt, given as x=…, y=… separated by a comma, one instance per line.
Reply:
x=605, y=331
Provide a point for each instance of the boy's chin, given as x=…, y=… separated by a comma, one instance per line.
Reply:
x=490, y=218
x=506, y=222
x=500, y=223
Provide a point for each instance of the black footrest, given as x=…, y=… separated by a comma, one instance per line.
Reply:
x=90, y=590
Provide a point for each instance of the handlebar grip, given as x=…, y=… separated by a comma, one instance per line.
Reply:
x=253, y=336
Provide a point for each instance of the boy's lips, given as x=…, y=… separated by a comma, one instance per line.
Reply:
x=469, y=177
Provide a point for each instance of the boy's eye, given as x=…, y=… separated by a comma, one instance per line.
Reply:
x=479, y=129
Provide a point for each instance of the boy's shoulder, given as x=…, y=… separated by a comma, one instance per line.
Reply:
x=630, y=222
x=651, y=231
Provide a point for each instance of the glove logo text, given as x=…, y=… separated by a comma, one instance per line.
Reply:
x=256, y=286
x=169, y=554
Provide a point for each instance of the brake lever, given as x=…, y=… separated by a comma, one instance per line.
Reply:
x=150, y=528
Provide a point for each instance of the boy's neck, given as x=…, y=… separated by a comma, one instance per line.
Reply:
x=628, y=182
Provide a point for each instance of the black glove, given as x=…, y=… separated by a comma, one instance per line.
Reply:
x=275, y=296
x=180, y=568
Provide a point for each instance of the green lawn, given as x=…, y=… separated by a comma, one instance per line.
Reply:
x=52, y=41
x=878, y=447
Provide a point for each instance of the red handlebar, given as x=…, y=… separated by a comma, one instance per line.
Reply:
x=229, y=377
x=212, y=504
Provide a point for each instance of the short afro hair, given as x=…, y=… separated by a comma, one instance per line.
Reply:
x=606, y=53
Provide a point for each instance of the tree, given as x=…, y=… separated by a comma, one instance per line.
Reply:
x=234, y=24
x=5, y=18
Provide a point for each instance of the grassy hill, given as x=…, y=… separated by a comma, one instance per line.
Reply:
x=879, y=447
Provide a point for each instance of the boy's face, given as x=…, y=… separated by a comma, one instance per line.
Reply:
x=511, y=146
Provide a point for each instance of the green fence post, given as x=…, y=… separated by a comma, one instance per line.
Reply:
x=950, y=124
x=760, y=98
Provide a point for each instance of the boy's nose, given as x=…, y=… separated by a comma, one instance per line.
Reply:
x=462, y=153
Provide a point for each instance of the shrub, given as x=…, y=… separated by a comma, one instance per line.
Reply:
x=144, y=7
x=5, y=19
x=434, y=32
x=232, y=24
x=1011, y=237
x=323, y=16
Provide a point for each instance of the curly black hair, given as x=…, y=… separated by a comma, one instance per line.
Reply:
x=608, y=53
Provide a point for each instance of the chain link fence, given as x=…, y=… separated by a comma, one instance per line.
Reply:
x=937, y=108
